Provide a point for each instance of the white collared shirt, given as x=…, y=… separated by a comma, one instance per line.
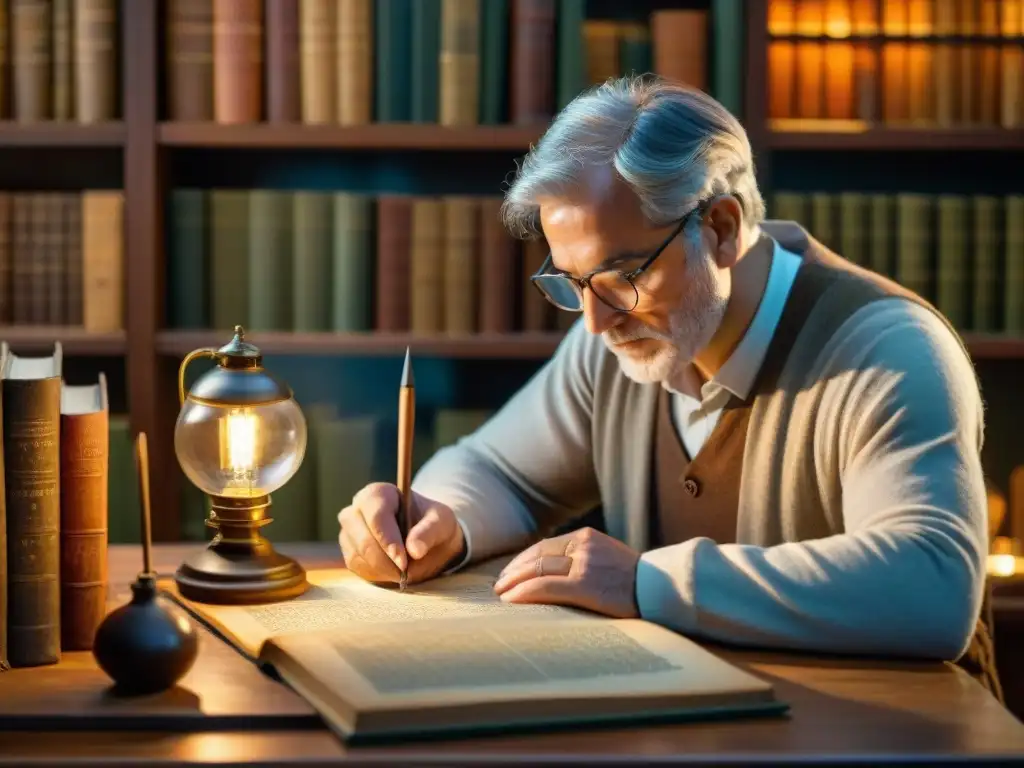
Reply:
x=694, y=418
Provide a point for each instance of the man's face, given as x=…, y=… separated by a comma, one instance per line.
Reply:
x=682, y=295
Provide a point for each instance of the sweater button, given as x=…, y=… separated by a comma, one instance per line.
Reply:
x=692, y=487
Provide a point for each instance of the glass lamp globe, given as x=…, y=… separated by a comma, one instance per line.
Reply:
x=239, y=437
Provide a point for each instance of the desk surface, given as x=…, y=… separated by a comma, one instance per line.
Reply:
x=842, y=712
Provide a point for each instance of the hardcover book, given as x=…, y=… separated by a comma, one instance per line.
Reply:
x=448, y=658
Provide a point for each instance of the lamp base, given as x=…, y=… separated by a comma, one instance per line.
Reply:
x=239, y=569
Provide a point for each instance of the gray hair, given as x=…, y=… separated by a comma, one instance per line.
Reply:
x=672, y=144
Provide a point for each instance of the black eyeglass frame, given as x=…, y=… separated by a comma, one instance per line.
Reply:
x=582, y=283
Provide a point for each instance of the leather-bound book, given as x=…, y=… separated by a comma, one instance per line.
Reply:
x=498, y=276
x=63, y=45
x=31, y=441
x=6, y=258
x=189, y=26
x=32, y=59
x=680, y=43
x=461, y=264
x=318, y=20
x=532, y=61
x=426, y=256
x=460, y=62
x=284, y=103
x=355, y=55
x=538, y=313
x=394, y=226
x=84, y=472
x=96, y=80
x=237, y=61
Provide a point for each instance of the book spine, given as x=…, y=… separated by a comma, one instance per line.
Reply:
x=95, y=60
x=460, y=62
x=84, y=456
x=31, y=430
x=461, y=245
x=190, y=60
x=237, y=61
x=103, y=260
x=532, y=62
x=73, y=291
x=426, y=292
x=318, y=19
x=283, y=69
x=31, y=25
x=498, y=256
x=355, y=62
x=394, y=225
x=62, y=91
x=6, y=258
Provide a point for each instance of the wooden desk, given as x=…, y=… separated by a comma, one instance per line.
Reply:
x=849, y=712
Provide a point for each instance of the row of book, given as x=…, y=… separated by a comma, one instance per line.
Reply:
x=896, y=18
x=453, y=62
x=59, y=60
x=311, y=260
x=964, y=253
x=940, y=62
x=53, y=522
x=916, y=83
x=62, y=259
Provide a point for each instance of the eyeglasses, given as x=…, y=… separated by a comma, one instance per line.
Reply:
x=614, y=287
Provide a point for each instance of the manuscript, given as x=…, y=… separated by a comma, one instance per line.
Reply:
x=448, y=656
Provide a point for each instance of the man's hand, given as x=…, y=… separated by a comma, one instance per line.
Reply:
x=585, y=569
x=374, y=550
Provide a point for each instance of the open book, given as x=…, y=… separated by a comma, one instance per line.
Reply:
x=448, y=657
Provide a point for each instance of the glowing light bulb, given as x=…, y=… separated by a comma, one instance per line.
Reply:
x=239, y=450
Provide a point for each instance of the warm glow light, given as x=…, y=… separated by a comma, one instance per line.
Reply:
x=239, y=443
x=1002, y=565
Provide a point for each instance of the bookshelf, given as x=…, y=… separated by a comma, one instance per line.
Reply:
x=150, y=149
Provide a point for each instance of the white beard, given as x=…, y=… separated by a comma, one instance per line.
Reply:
x=691, y=328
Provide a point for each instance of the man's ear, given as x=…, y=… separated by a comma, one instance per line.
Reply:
x=725, y=218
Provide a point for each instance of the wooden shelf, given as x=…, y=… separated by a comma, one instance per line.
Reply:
x=526, y=346
x=25, y=339
x=869, y=138
x=61, y=134
x=409, y=136
x=995, y=346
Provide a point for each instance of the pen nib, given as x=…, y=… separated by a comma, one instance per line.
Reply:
x=402, y=581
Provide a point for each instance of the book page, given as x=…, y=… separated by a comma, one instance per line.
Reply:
x=505, y=669
x=338, y=599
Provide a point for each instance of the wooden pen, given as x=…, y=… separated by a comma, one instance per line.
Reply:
x=406, y=429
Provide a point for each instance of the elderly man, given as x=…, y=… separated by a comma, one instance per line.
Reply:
x=785, y=447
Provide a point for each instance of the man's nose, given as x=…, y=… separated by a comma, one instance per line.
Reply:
x=597, y=315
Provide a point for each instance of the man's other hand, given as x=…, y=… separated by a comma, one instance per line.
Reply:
x=585, y=569
x=374, y=550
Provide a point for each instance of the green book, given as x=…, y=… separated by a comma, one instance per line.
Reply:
x=952, y=282
x=987, y=242
x=393, y=25
x=345, y=453
x=728, y=44
x=353, y=257
x=312, y=257
x=570, y=51
x=270, y=260
x=494, y=52
x=882, y=239
x=229, y=255
x=188, y=286
x=425, y=54
x=1013, y=301
x=853, y=227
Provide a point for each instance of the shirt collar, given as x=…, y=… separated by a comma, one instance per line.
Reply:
x=738, y=373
